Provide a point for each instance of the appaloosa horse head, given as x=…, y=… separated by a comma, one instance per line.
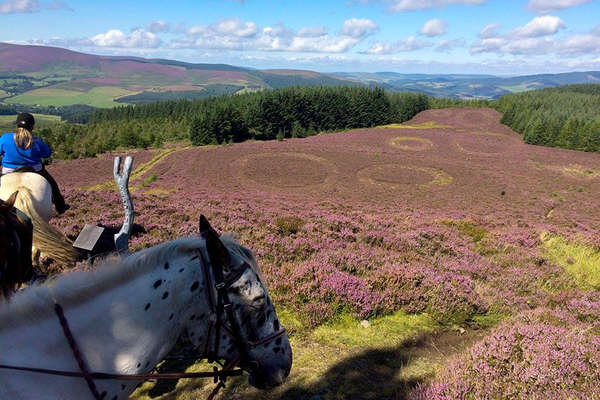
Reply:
x=15, y=247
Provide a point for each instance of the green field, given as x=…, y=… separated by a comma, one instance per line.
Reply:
x=7, y=122
x=102, y=96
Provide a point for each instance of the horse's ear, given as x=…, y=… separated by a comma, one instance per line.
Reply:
x=216, y=249
x=8, y=204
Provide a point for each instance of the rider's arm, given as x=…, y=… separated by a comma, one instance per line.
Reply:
x=43, y=148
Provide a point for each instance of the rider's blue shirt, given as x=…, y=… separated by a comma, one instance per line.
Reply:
x=13, y=156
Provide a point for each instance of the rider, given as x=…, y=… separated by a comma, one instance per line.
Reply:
x=22, y=149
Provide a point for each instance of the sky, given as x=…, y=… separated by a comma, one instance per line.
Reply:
x=501, y=37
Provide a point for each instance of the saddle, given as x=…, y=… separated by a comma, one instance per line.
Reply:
x=25, y=168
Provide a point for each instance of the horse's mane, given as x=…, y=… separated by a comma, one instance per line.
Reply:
x=77, y=286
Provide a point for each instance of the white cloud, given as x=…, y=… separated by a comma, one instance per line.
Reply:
x=409, y=44
x=434, y=27
x=358, y=27
x=139, y=38
x=489, y=31
x=313, y=31
x=546, y=6
x=535, y=37
x=233, y=34
x=19, y=6
x=447, y=46
x=540, y=26
x=580, y=44
x=412, y=5
x=158, y=26
x=235, y=27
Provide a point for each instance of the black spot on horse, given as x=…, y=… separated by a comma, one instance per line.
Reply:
x=171, y=316
x=195, y=286
x=276, y=350
x=202, y=316
x=276, y=325
x=102, y=395
x=165, y=295
x=192, y=334
x=157, y=283
x=195, y=257
x=193, y=317
x=123, y=387
x=261, y=321
x=147, y=307
x=181, y=270
x=167, y=265
x=139, y=365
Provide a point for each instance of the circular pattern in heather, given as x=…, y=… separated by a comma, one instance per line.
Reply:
x=394, y=176
x=484, y=143
x=284, y=170
x=410, y=143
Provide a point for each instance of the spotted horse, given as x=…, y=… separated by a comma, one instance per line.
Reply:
x=96, y=334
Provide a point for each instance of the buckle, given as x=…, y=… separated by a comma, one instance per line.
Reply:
x=220, y=285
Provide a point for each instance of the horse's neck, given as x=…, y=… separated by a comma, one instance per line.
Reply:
x=126, y=330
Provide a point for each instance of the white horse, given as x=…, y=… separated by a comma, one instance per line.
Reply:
x=126, y=315
x=35, y=200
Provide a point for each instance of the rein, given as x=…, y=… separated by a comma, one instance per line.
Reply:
x=222, y=305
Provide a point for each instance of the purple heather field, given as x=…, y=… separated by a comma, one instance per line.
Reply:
x=446, y=220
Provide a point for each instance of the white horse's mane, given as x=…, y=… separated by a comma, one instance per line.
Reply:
x=76, y=287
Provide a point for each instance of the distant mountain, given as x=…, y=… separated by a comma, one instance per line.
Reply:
x=54, y=76
x=469, y=86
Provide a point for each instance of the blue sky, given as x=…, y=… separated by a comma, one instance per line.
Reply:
x=507, y=37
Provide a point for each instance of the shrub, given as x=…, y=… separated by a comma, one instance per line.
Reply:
x=289, y=225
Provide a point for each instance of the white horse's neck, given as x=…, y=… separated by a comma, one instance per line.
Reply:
x=131, y=321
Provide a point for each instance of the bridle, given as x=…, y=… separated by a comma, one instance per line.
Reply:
x=221, y=305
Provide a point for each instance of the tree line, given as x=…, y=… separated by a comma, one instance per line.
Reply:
x=274, y=114
x=566, y=116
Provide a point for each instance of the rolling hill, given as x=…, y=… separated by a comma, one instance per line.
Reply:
x=50, y=76
x=470, y=86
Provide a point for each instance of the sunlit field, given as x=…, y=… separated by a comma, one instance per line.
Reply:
x=440, y=259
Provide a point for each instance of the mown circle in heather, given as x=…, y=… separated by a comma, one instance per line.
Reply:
x=410, y=143
x=284, y=170
x=394, y=176
x=482, y=143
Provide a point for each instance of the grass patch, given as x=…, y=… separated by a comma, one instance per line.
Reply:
x=149, y=180
x=467, y=228
x=424, y=125
x=581, y=261
x=390, y=330
x=102, y=96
